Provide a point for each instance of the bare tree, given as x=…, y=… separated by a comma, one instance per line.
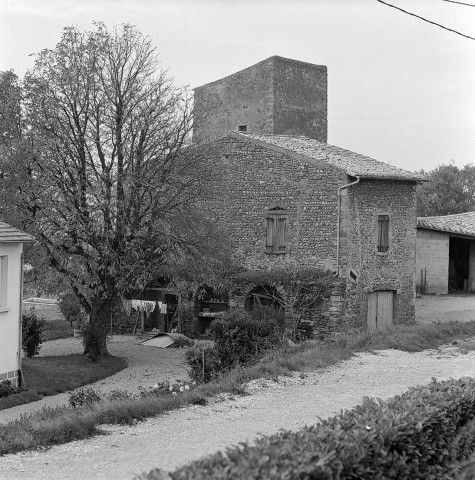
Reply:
x=116, y=181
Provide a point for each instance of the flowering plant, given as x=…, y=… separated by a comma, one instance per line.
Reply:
x=164, y=387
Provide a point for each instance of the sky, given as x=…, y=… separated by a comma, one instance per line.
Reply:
x=400, y=90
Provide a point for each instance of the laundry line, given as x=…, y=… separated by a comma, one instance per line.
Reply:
x=146, y=306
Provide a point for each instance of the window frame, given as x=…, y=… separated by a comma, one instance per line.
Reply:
x=277, y=224
x=4, y=284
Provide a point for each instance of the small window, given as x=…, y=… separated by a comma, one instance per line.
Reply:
x=383, y=233
x=242, y=128
x=3, y=281
x=276, y=222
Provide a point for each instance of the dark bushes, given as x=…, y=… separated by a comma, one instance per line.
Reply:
x=31, y=329
x=239, y=339
x=417, y=435
x=6, y=388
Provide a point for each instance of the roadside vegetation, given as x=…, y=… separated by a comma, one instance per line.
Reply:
x=63, y=424
x=427, y=432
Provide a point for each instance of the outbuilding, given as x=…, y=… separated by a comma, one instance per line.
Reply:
x=445, y=253
x=11, y=288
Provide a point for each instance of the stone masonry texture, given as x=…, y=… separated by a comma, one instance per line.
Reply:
x=393, y=270
x=277, y=95
x=253, y=177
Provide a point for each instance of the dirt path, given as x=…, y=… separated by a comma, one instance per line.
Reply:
x=175, y=439
x=445, y=308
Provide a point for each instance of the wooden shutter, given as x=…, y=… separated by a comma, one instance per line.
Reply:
x=276, y=231
x=383, y=233
x=270, y=234
x=280, y=233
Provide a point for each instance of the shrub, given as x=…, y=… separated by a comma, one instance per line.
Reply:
x=84, y=397
x=70, y=307
x=239, y=338
x=212, y=365
x=418, y=435
x=31, y=329
x=20, y=398
x=6, y=388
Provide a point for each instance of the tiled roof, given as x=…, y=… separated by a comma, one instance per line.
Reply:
x=352, y=163
x=12, y=234
x=461, y=223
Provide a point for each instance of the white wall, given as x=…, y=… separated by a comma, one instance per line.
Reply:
x=432, y=256
x=10, y=354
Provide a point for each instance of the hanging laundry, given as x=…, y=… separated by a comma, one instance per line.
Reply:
x=145, y=306
x=127, y=305
x=163, y=308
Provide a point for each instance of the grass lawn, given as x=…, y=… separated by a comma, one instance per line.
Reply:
x=57, y=374
x=57, y=329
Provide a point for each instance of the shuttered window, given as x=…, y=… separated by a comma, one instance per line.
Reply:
x=276, y=230
x=383, y=233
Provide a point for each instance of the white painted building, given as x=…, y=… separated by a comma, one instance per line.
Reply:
x=11, y=287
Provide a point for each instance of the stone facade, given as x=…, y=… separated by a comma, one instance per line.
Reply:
x=256, y=177
x=282, y=195
x=393, y=270
x=277, y=95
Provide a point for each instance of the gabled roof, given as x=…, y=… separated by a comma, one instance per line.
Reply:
x=352, y=163
x=12, y=234
x=459, y=223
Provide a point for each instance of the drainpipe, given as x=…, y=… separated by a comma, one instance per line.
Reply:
x=337, y=273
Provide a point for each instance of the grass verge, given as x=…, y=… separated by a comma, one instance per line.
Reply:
x=57, y=374
x=61, y=425
x=57, y=329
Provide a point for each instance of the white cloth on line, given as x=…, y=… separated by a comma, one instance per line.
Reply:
x=145, y=306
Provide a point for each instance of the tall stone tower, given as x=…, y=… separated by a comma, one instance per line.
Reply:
x=277, y=95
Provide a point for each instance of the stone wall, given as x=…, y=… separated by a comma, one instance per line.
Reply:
x=433, y=260
x=277, y=95
x=327, y=316
x=367, y=269
x=254, y=179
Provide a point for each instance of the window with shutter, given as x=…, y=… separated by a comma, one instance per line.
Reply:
x=276, y=233
x=383, y=233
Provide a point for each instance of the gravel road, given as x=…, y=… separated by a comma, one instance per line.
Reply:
x=181, y=436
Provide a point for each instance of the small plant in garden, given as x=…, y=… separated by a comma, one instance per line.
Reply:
x=164, y=387
x=203, y=362
x=84, y=397
x=119, y=394
x=7, y=388
x=31, y=329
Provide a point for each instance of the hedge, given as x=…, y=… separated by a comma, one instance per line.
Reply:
x=420, y=434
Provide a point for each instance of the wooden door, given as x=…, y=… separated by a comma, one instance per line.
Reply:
x=380, y=310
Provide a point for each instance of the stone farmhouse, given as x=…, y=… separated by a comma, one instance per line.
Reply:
x=446, y=253
x=285, y=196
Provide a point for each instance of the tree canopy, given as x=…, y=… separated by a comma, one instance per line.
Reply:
x=449, y=190
x=116, y=182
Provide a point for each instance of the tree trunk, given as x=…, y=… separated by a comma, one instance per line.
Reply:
x=95, y=334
